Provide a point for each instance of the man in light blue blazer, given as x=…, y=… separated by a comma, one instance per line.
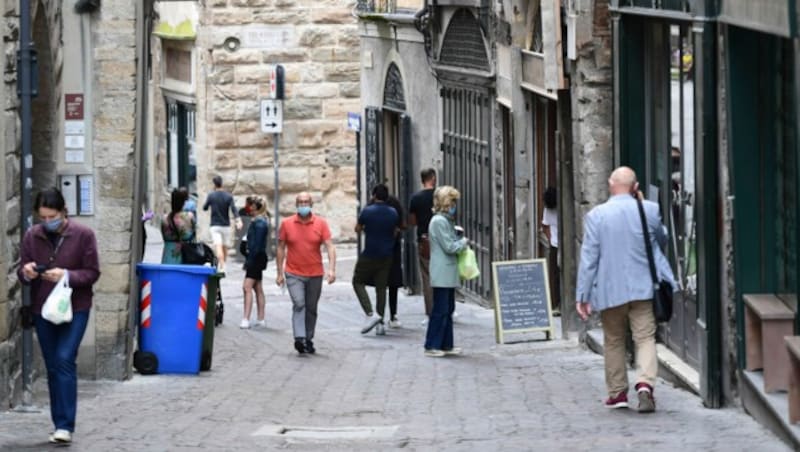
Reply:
x=614, y=278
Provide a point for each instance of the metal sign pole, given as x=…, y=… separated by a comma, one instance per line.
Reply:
x=275, y=137
x=354, y=124
x=358, y=185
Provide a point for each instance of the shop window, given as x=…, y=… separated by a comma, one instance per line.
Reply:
x=682, y=221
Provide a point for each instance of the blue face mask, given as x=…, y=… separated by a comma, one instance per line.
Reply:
x=452, y=211
x=304, y=211
x=53, y=225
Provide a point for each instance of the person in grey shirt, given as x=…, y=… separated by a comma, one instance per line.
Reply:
x=614, y=278
x=221, y=203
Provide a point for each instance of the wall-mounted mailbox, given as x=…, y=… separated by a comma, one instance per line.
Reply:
x=69, y=188
x=78, y=191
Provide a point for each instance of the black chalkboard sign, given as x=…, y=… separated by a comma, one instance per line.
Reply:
x=521, y=297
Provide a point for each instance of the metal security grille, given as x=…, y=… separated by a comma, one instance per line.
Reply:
x=463, y=44
x=468, y=167
x=393, y=96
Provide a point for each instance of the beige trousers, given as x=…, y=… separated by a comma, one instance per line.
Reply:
x=643, y=326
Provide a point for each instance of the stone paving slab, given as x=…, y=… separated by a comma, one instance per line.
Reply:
x=538, y=395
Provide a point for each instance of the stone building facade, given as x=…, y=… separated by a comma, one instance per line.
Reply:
x=210, y=76
x=92, y=72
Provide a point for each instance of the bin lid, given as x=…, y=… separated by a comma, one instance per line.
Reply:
x=196, y=269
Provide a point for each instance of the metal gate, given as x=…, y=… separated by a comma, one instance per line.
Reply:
x=467, y=166
x=410, y=268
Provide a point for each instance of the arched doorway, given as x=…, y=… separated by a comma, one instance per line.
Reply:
x=388, y=156
x=397, y=158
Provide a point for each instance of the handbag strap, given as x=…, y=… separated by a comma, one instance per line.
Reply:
x=177, y=232
x=647, y=244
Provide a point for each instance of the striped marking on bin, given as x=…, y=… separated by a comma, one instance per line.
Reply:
x=201, y=311
x=144, y=305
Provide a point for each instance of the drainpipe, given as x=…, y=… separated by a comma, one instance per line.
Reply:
x=26, y=92
x=143, y=14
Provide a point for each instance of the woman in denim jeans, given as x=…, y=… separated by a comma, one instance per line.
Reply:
x=50, y=249
x=445, y=246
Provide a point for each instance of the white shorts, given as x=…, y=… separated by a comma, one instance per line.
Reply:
x=221, y=235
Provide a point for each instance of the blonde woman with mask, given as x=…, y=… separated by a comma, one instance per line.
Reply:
x=256, y=262
x=445, y=246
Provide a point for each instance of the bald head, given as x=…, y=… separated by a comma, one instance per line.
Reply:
x=303, y=198
x=622, y=180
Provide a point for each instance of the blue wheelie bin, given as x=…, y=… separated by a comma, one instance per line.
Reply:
x=172, y=315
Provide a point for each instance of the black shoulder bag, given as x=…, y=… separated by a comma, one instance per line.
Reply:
x=662, y=290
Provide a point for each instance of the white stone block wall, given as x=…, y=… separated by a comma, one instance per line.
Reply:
x=316, y=152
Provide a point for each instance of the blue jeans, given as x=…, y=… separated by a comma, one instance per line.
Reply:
x=59, y=345
x=440, y=323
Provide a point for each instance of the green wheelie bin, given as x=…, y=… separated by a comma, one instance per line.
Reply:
x=214, y=296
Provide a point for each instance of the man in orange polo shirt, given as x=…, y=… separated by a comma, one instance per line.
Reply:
x=299, y=242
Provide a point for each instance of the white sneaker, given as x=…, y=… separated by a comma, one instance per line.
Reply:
x=260, y=323
x=455, y=351
x=61, y=436
x=394, y=323
x=370, y=323
x=380, y=330
x=245, y=324
x=433, y=353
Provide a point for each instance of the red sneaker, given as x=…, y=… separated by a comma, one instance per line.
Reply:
x=647, y=404
x=620, y=401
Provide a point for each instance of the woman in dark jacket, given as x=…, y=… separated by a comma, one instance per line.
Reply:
x=256, y=262
x=51, y=249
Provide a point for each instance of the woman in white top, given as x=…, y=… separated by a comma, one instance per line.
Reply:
x=550, y=227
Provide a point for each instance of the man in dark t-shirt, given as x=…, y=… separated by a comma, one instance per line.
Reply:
x=420, y=211
x=380, y=223
x=221, y=203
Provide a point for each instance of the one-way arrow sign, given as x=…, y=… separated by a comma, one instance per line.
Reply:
x=271, y=116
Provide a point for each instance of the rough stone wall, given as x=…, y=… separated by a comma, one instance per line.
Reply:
x=114, y=104
x=10, y=332
x=592, y=125
x=317, y=152
x=592, y=108
x=44, y=14
x=113, y=94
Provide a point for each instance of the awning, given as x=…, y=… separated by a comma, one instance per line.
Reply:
x=769, y=16
x=176, y=20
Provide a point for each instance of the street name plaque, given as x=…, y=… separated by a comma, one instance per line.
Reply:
x=521, y=298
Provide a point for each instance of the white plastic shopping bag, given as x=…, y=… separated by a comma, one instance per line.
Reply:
x=58, y=306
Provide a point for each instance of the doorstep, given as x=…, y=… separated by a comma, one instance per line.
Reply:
x=670, y=366
x=770, y=409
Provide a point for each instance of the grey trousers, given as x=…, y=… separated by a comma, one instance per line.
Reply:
x=304, y=292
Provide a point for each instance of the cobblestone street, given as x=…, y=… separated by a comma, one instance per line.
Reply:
x=367, y=392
